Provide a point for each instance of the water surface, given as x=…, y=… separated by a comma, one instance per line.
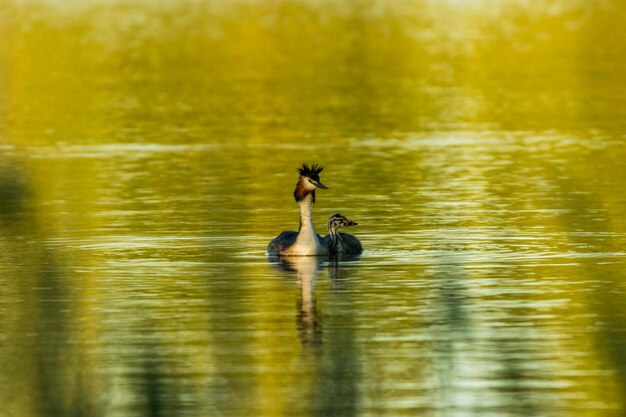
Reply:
x=148, y=153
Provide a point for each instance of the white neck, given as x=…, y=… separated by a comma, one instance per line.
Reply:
x=307, y=243
x=306, y=214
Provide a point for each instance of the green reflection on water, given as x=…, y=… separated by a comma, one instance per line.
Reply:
x=148, y=153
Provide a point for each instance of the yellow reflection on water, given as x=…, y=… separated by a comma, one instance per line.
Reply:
x=148, y=154
x=109, y=71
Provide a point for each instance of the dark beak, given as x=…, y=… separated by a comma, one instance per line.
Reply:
x=352, y=223
x=319, y=185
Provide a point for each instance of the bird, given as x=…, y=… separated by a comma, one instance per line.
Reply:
x=341, y=243
x=306, y=241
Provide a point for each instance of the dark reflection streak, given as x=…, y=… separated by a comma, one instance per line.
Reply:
x=52, y=334
x=608, y=297
x=158, y=392
x=340, y=372
x=153, y=389
x=450, y=325
x=14, y=198
x=339, y=377
x=59, y=388
x=521, y=402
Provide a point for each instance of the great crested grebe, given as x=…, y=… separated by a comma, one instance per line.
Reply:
x=341, y=242
x=304, y=242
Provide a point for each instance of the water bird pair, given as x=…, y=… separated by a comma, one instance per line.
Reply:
x=306, y=241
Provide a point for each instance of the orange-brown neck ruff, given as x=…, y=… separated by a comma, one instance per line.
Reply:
x=300, y=192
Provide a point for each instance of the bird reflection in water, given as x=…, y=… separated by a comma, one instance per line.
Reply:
x=306, y=269
x=340, y=269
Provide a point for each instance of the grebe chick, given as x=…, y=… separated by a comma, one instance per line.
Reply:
x=341, y=242
x=304, y=242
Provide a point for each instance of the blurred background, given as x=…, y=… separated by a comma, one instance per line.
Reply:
x=148, y=153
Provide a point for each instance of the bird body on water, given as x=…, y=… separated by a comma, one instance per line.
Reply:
x=341, y=243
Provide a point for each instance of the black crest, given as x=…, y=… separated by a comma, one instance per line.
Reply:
x=312, y=172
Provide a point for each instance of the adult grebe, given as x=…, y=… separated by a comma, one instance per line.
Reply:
x=304, y=242
x=341, y=242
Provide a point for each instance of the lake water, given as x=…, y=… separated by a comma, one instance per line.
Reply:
x=148, y=153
